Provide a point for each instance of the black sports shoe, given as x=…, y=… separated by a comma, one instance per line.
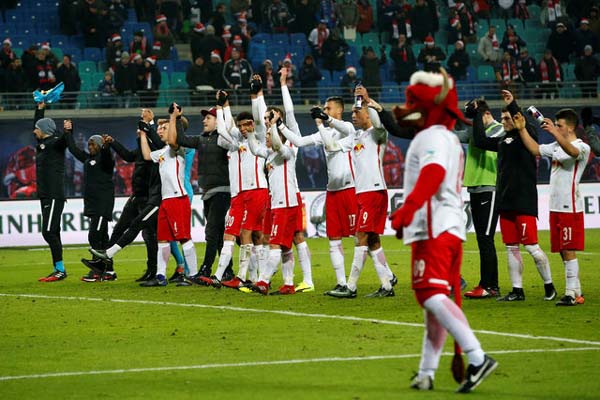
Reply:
x=514, y=295
x=550, y=292
x=148, y=275
x=394, y=280
x=158, y=281
x=227, y=275
x=343, y=292
x=205, y=271
x=421, y=382
x=178, y=276
x=96, y=265
x=381, y=292
x=566, y=300
x=476, y=375
x=337, y=287
x=99, y=253
x=92, y=276
x=109, y=276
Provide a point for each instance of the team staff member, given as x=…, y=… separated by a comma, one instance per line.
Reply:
x=98, y=194
x=141, y=210
x=50, y=180
x=213, y=179
x=516, y=191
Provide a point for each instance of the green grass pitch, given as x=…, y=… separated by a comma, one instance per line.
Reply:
x=115, y=340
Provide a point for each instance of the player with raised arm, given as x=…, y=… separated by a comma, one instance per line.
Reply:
x=569, y=157
x=367, y=145
x=280, y=162
x=431, y=221
x=517, y=201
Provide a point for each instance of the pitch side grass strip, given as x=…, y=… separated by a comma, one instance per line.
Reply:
x=270, y=363
x=295, y=314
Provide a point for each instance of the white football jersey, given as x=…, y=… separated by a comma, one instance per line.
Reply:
x=171, y=166
x=444, y=211
x=565, y=176
x=367, y=148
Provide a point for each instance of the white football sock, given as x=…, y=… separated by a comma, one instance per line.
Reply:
x=383, y=270
x=451, y=317
x=336, y=253
x=515, y=266
x=263, y=258
x=224, y=258
x=541, y=262
x=162, y=259
x=189, y=253
x=112, y=250
x=572, y=277
x=245, y=253
x=253, y=266
x=358, y=262
x=272, y=265
x=287, y=267
x=433, y=344
x=304, y=261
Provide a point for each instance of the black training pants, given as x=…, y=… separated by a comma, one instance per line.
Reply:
x=51, y=218
x=485, y=219
x=98, y=232
x=215, y=210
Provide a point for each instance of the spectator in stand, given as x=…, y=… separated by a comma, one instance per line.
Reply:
x=431, y=55
x=309, y=76
x=150, y=84
x=562, y=43
x=587, y=69
x=215, y=71
x=43, y=76
x=125, y=81
x=348, y=83
x=15, y=80
x=68, y=13
x=454, y=27
x=584, y=36
x=334, y=52
x=458, y=62
x=521, y=11
x=114, y=48
x=163, y=34
x=145, y=10
x=507, y=73
x=305, y=17
x=489, y=47
x=467, y=24
x=196, y=38
x=48, y=54
x=482, y=9
x=279, y=16
x=139, y=44
x=387, y=13
x=198, y=80
x=218, y=18
x=29, y=61
x=269, y=77
x=346, y=12
x=226, y=35
x=433, y=12
x=140, y=72
x=67, y=74
x=107, y=90
x=7, y=55
x=211, y=42
x=505, y=8
x=527, y=68
x=371, y=70
x=239, y=6
x=236, y=43
x=93, y=23
x=421, y=21
x=237, y=71
x=400, y=25
x=117, y=14
x=292, y=74
x=173, y=10
x=404, y=60
x=326, y=11
x=365, y=17
x=550, y=75
x=317, y=38
x=594, y=20
x=512, y=42
x=243, y=30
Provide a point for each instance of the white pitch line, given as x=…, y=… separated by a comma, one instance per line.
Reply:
x=294, y=314
x=270, y=363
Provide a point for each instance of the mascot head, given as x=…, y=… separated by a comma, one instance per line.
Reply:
x=431, y=99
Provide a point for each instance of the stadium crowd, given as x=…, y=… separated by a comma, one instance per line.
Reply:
x=530, y=46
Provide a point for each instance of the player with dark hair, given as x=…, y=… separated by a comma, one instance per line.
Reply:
x=517, y=199
x=569, y=158
x=50, y=177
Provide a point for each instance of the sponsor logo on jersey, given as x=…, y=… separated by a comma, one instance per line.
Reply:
x=242, y=148
x=358, y=148
x=93, y=162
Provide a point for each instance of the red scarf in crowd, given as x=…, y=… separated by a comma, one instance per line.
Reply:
x=321, y=37
x=495, y=44
x=554, y=11
x=509, y=71
x=544, y=70
x=521, y=11
x=471, y=23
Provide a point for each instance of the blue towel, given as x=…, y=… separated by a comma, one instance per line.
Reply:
x=50, y=96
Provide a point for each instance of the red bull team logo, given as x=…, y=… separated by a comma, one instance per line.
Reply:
x=242, y=148
x=358, y=148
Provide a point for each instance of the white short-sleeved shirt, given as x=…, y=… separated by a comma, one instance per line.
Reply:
x=444, y=211
x=367, y=148
x=281, y=168
x=565, y=176
x=171, y=166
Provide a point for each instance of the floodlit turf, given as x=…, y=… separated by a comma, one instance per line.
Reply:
x=116, y=340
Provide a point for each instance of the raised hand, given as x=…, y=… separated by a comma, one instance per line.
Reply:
x=283, y=76
x=507, y=96
x=68, y=126
x=519, y=121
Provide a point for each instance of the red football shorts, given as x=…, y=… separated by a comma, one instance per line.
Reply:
x=233, y=219
x=341, y=208
x=174, y=219
x=255, y=206
x=283, y=226
x=518, y=228
x=372, y=211
x=268, y=220
x=436, y=263
x=566, y=231
x=300, y=214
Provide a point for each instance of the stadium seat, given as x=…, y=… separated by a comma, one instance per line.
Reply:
x=178, y=80
x=165, y=66
x=59, y=40
x=87, y=67
x=58, y=52
x=74, y=52
x=263, y=38
x=486, y=73
x=93, y=54
x=390, y=93
x=298, y=39
x=181, y=65
x=370, y=39
x=280, y=39
x=86, y=81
